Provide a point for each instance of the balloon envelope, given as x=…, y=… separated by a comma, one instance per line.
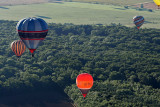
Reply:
x=157, y=2
x=84, y=82
x=138, y=21
x=32, y=32
x=18, y=47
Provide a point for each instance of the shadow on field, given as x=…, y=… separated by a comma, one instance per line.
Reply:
x=56, y=1
x=3, y=7
x=45, y=17
x=120, y=8
x=147, y=22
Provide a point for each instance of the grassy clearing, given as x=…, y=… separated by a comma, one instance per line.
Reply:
x=115, y=2
x=79, y=13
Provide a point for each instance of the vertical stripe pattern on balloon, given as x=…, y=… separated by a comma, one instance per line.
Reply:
x=18, y=47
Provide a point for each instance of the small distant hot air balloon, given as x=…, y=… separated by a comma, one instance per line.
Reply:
x=138, y=21
x=84, y=82
x=157, y=2
x=18, y=47
x=32, y=32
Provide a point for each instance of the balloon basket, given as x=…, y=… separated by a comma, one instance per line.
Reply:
x=32, y=55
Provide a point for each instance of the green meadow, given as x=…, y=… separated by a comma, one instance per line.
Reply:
x=80, y=13
x=115, y=2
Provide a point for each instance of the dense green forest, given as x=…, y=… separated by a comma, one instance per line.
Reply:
x=123, y=61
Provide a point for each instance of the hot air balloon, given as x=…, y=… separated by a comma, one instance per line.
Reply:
x=84, y=82
x=32, y=32
x=18, y=47
x=157, y=2
x=138, y=21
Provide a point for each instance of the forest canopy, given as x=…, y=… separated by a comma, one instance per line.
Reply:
x=123, y=61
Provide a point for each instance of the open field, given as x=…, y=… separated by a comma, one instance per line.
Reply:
x=113, y=2
x=79, y=13
x=15, y=2
x=116, y=2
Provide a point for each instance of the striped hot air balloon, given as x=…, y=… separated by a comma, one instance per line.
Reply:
x=84, y=82
x=138, y=21
x=32, y=32
x=18, y=47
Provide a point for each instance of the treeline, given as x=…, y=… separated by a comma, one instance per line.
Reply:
x=124, y=63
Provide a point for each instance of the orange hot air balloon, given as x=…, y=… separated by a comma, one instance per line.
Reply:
x=84, y=82
x=18, y=47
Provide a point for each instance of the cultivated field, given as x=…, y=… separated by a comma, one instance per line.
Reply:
x=80, y=13
x=116, y=2
x=147, y=5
